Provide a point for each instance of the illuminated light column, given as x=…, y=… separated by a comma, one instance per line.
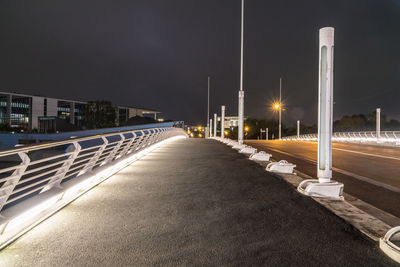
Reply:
x=266, y=133
x=210, y=127
x=208, y=110
x=378, y=124
x=298, y=129
x=215, y=124
x=241, y=92
x=325, y=105
x=324, y=187
x=280, y=108
x=222, y=121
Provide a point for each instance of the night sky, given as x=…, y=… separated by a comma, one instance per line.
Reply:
x=158, y=53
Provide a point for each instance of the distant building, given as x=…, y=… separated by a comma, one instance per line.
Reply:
x=37, y=112
x=230, y=121
x=125, y=113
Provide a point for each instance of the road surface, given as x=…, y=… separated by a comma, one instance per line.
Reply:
x=370, y=173
x=194, y=202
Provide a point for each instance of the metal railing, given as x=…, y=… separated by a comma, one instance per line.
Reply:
x=32, y=170
x=390, y=137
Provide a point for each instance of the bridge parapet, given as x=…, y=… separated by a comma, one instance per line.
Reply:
x=38, y=180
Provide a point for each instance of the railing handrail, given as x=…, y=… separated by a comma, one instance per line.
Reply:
x=31, y=147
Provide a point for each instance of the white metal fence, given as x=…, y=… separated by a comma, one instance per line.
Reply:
x=36, y=181
x=391, y=137
x=32, y=170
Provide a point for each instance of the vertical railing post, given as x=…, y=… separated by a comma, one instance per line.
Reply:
x=92, y=162
x=128, y=145
x=7, y=188
x=55, y=181
x=138, y=143
x=113, y=153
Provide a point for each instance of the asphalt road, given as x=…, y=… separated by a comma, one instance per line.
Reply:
x=194, y=202
x=370, y=173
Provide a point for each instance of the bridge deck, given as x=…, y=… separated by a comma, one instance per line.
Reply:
x=193, y=202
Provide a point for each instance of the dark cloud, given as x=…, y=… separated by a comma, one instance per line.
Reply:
x=158, y=53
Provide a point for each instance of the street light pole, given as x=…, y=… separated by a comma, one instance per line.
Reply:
x=241, y=92
x=280, y=108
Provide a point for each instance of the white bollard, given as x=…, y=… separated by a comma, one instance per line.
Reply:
x=248, y=150
x=238, y=146
x=390, y=243
x=261, y=156
x=324, y=187
x=281, y=167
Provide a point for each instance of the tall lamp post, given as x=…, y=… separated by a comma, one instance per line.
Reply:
x=241, y=92
x=278, y=106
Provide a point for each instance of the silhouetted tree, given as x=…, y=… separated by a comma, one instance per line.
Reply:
x=100, y=114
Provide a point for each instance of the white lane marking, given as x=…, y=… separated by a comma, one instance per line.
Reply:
x=367, y=154
x=354, y=175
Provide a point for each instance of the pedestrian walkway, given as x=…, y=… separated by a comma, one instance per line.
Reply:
x=193, y=202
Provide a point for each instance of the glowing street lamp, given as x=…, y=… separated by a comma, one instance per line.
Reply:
x=278, y=106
